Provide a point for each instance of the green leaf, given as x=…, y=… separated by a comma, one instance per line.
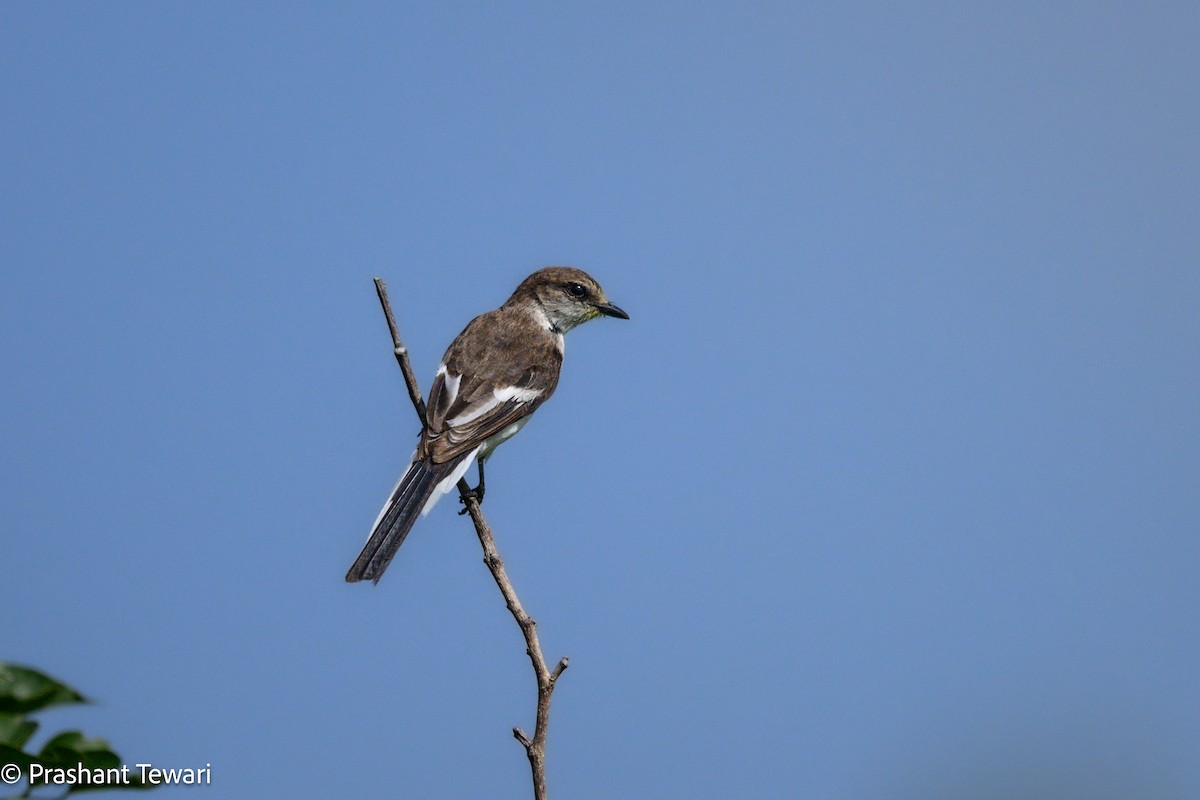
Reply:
x=66, y=739
x=23, y=690
x=15, y=730
x=71, y=747
x=71, y=750
x=14, y=755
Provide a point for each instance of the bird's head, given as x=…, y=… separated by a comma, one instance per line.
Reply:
x=567, y=296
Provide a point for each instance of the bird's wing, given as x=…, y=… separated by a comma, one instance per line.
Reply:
x=486, y=383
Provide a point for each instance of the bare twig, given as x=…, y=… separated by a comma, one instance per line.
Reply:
x=410, y=380
x=535, y=748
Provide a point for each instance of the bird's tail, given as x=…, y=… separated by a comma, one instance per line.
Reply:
x=397, y=518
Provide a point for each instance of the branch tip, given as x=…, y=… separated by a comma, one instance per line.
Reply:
x=520, y=736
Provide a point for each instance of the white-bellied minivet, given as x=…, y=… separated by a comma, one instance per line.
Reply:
x=495, y=374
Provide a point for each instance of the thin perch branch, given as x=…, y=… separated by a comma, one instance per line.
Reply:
x=410, y=380
x=535, y=748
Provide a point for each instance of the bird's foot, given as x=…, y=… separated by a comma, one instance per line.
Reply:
x=475, y=494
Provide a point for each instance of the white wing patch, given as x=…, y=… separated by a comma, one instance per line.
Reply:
x=501, y=395
x=513, y=393
x=450, y=383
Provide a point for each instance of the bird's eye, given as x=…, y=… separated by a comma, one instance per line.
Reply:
x=576, y=289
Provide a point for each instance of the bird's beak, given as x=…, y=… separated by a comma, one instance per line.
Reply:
x=609, y=310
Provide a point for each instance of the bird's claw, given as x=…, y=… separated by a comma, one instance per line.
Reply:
x=475, y=494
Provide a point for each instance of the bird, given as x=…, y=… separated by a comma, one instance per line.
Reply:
x=494, y=375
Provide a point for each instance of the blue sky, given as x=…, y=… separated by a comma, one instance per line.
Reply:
x=888, y=489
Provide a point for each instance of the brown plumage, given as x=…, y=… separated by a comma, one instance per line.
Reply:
x=499, y=349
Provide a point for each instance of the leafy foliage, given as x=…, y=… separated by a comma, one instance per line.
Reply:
x=24, y=691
